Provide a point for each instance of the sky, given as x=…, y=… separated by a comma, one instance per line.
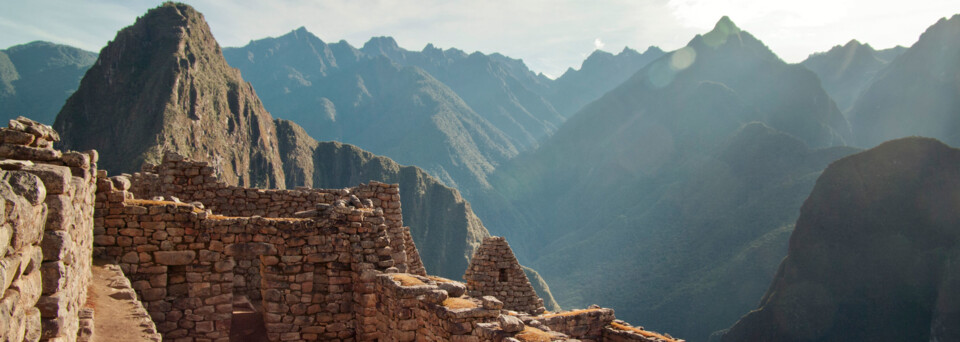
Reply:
x=548, y=35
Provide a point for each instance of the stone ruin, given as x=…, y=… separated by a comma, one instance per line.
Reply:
x=198, y=256
x=495, y=271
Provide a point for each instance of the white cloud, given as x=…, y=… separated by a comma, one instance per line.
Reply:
x=598, y=44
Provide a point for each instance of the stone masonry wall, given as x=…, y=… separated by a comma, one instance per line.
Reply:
x=66, y=232
x=192, y=181
x=20, y=234
x=415, y=308
x=183, y=262
x=494, y=271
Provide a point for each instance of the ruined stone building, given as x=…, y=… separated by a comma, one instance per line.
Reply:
x=310, y=264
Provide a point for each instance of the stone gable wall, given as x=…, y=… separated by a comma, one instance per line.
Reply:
x=494, y=271
x=46, y=235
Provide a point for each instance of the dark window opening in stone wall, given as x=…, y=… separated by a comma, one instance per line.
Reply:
x=503, y=274
x=177, y=281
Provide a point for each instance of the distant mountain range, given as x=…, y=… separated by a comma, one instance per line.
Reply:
x=36, y=78
x=845, y=71
x=457, y=115
x=917, y=94
x=679, y=186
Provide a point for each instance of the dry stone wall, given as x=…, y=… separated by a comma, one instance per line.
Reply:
x=49, y=283
x=192, y=181
x=494, y=271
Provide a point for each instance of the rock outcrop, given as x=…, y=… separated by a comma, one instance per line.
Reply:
x=874, y=253
x=162, y=85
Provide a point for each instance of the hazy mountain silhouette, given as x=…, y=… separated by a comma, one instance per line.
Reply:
x=336, y=93
x=652, y=187
x=873, y=256
x=36, y=78
x=599, y=73
x=500, y=89
x=917, y=93
x=845, y=71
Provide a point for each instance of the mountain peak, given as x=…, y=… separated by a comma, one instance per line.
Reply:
x=726, y=25
x=382, y=43
x=165, y=77
x=723, y=30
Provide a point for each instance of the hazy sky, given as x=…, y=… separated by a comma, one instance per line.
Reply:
x=549, y=35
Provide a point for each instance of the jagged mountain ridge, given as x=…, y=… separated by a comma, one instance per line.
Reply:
x=635, y=166
x=500, y=89
x=599, y=73
x=401, y=112
x=916, y=94
x=36, y=78
x=873, y=256
x=845, y=71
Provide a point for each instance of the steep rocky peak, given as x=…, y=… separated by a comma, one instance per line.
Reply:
x=380, y=45
x=652, y=49
x=166, y=79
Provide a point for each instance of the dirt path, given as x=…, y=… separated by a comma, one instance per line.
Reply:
x=115, y=315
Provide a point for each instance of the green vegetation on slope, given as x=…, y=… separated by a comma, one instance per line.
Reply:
x=36, y=78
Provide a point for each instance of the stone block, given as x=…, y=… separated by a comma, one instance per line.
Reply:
x=55, y=178
x=174, y=257
x=57, y=245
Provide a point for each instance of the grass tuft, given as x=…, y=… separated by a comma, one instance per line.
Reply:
x=531, y=334
x=407, y=280
x=459, y=303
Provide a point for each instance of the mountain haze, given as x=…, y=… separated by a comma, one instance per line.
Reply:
x=845, y=71
x=917, y=94
x=873, y=256
x=389, y=109
x=36, y=78
x=500, y=89
x=599, y=73
x=658, y=184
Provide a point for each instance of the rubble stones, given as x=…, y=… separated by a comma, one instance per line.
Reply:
x=510, y=323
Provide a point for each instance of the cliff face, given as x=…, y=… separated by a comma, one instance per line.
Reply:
x=874, y=253
x=162, y=84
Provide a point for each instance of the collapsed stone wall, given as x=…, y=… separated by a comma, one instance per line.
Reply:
x=65, y=192
x=494, y=271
